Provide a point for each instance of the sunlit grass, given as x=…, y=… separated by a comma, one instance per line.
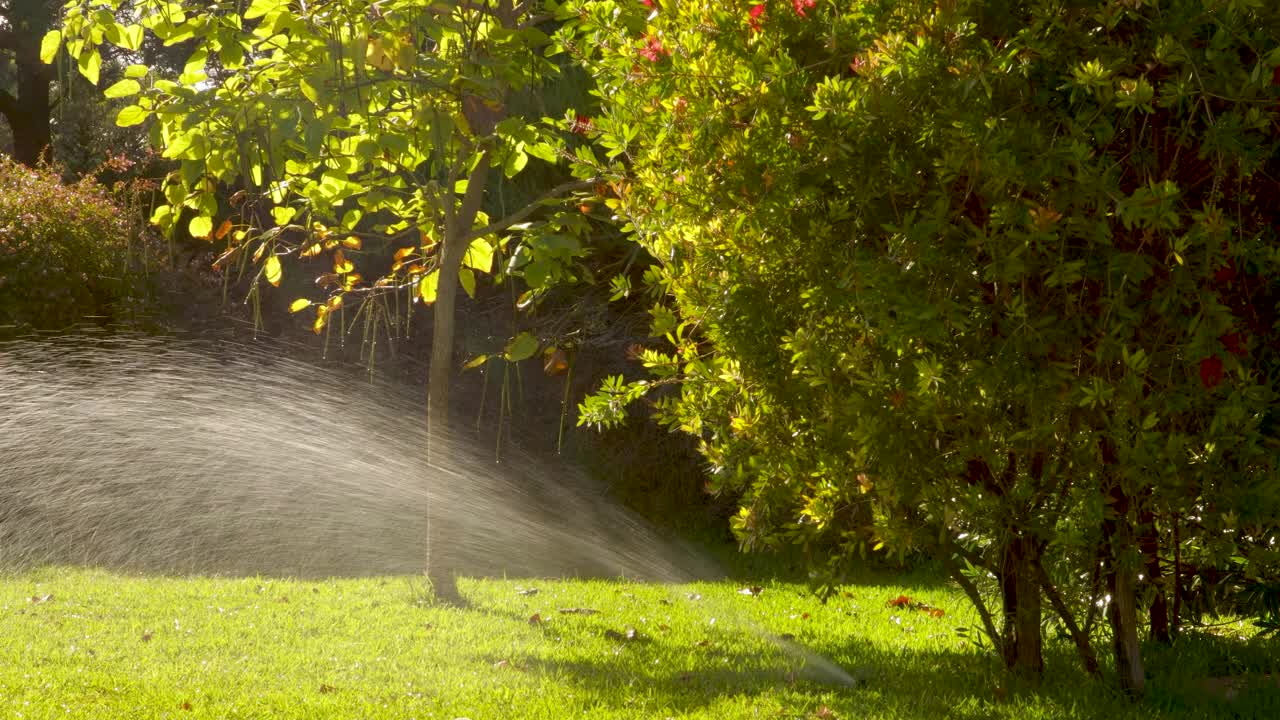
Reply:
x=83, y=643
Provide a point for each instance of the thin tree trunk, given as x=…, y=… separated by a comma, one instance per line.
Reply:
x=1122, y=612
x=971, y=591
x=1149, y=544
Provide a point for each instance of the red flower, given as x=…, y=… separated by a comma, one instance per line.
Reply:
x=801, y=5
x=581, y=125
x=1234, y=343
x=1210, y=372
x=1225, y=274
x=755, y=14
x=647, y=3
x=653, y=50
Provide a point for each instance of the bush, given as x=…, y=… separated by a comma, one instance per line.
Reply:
x=63, y=250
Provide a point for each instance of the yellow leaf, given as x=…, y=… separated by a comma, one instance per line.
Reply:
x=351, y=280
x=310, y=251
x=257, y=254
x=352, y=242
x=334, y=303
x=299, y=304
x=273, y=270
x=341, y=264
x=404, y=252
x=427, y=286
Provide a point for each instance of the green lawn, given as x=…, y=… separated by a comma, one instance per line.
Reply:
x=90, y=644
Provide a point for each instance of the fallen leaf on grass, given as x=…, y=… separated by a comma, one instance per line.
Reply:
x=326, y=689
x=937, y=612
x=752, y=591
x=536, y=619
x=703, y=643
x=146, y=636
x=185, y=706
x=824, y=713
x=529, y=591
x=664, y=627
x=38, y=599
x=578, y=611
x=900, y=601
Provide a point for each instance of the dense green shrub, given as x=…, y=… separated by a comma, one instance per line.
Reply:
x=1005, y=271
x=63, y=250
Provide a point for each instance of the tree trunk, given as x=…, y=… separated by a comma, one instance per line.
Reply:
x=440, y=376
x=457, y=227
x=1149, y=544
x=1122, y=613
x=28, y=114
x=1020, y=596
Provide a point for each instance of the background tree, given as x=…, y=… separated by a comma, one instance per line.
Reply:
x=351, y=122
x=1005, y=270
x=25, y=97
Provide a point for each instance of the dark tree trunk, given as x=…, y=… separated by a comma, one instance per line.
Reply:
x=1149, y=544
x=1122, y=613
x=1020, y=595
x=28, y=113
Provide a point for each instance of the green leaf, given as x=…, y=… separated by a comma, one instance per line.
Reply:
x=200, y=226
x=131, y=115
x=49, y=46
x=476, y=362
x=521, y=347
x=90, y=63
x=124, y=88
x=131, y=38
x=282, y=214
x=135, y=71
x=258, y=8
x=427, y=286
x=479, y=256
x=468, y=280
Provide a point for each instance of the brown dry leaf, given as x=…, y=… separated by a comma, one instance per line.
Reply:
x=146, y=636
x=703, y=643
x=501, y=664
x=223, y=229
x=186, y=705
x=39, y=599
x=824, y=713
x=937, y=612
x=578, y=611
x=804, y=616
x=753, y=591
x=900, y=601
x=536, y=619
x=326, y=689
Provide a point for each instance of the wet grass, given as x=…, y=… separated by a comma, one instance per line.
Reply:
x=91, y=644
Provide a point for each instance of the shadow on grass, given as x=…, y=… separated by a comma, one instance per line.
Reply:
x=875, y=681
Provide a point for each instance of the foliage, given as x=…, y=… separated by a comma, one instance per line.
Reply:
x=1005, y=270
x=350, y=131
x=63, y=250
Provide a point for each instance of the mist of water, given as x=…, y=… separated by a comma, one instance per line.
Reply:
x=164, y=455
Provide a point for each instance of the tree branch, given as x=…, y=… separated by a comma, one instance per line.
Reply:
x=972, y=592
x=527, y=210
